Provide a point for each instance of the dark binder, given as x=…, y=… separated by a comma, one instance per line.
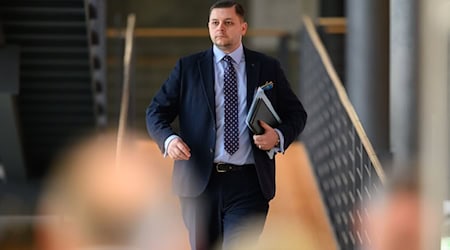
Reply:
x=261, y=109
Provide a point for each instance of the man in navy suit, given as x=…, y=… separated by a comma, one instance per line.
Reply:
x=223, y=195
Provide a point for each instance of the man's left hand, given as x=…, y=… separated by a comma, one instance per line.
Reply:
x=268, y=140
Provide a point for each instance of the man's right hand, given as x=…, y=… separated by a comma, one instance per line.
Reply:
x=178, y=150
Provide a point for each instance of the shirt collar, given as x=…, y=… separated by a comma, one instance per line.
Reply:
x=237, y=54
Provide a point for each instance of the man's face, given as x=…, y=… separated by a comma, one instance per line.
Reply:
x=226, y=28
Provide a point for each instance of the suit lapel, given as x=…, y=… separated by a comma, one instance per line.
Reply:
x=206, y=68
x=252, y=67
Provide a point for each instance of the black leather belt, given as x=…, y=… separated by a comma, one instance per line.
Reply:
x=226, y=167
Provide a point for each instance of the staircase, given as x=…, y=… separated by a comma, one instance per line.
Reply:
x=62, y=74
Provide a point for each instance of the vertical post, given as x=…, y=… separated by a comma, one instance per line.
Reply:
x=367, y=68
x=12, y=161
x=124, y=105
x=11, y=152
x=403, y=79
x=283, y=50
x=434, y=111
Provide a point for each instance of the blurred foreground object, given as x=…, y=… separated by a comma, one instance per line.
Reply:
x=396, y=219
x=101, y=203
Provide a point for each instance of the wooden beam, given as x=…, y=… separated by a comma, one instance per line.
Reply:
x=333, y=25
x=189, y=32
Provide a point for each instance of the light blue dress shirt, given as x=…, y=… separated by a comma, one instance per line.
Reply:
x=244, y=154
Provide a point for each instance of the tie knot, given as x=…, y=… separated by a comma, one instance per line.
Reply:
x=228, y=59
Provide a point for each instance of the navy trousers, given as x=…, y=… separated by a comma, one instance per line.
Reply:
x=232, y=209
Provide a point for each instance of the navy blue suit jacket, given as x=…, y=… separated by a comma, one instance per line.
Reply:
x=189, y=94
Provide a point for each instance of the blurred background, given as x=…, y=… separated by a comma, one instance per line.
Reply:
x=373, y=76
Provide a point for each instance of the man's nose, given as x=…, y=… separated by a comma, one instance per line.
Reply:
x=221, y=26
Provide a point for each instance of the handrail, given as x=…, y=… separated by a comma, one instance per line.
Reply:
x=189, y=32
x=344, y=98
x=129, y=39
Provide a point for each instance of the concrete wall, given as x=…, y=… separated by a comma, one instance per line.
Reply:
x=280, y=14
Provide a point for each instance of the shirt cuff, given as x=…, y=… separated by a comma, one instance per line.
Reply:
x=271, y=153
x=166, y=143
x=280, y=147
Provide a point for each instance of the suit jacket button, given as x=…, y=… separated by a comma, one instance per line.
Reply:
x=211, y=150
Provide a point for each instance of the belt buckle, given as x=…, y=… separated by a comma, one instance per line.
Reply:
x=220, y=170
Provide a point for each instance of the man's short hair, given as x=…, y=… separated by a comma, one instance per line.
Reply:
x=240, y=11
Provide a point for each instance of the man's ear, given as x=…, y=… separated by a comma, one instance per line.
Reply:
x=244, y=28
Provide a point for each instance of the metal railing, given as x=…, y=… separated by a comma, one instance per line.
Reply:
x=346, y=167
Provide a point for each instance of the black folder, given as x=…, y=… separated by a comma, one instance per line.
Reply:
x=261, y=110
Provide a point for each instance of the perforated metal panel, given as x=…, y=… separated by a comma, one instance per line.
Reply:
x=345, y=174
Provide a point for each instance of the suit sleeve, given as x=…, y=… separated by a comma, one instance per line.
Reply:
x=164, y=108
x=290, y=109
